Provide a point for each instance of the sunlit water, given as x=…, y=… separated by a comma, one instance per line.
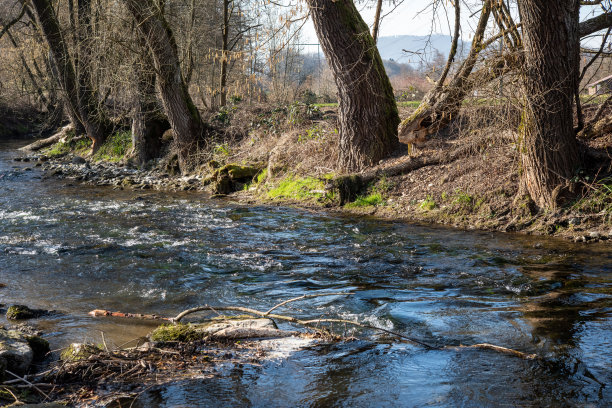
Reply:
x=75, y=248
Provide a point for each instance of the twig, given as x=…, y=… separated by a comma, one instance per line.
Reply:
x=103, y=340
x=29, y=383
x=17, y=401
x=504, y=350
x=306, y=297
x=367, y=326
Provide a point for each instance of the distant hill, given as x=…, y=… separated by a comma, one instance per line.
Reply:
x=390, y=48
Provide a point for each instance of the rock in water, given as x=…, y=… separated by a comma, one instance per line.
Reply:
x=21, y=312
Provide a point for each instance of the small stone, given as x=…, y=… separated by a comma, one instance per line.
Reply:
x=594, y=235
x=574, y=221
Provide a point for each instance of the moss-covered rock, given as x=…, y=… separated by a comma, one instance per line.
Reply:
x=176, y=332
x=21, y=312
x=16, y=355
x=238, y=172
x=40, y=347
x=78, y=351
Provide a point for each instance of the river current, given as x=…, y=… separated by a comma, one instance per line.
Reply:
x=72, y=248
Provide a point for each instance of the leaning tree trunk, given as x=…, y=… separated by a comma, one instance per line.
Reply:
x=443, y=102
x=368, y=112
x=66, y=75
x=548, y=143
x=94, y=120
x=178, y=105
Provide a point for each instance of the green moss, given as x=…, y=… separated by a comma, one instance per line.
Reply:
x=20, y=312
x=262, y=176
x=39, y=346
x=371, y=200
x=79, y=351
x=175, y=332
x=463, y=198
x=428, y=204
x=115, y=147
x=298, y=188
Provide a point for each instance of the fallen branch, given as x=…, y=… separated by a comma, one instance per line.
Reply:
x=313, y=324
x=102, y=312
x=40, y=144
x=500, y=349
x=41, y=392
x=307, y=297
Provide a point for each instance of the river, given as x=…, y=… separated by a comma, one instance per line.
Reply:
x=73, y=248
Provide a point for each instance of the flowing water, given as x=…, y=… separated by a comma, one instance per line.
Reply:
x=74, y=248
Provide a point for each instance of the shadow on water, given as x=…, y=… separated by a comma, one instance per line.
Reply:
x=74, y=248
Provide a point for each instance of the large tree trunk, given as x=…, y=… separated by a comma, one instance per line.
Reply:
x=368, y=113
x=94, y=120
x=148, y=124
x=178, y=105
x=548, y=143
x=66, y=75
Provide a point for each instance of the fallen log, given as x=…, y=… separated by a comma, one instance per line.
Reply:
x=41, y=144
x=107, y=313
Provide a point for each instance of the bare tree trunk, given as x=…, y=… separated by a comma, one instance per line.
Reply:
x=443, y=102
x=148, y=124
x=376, y=26
x=368, y=112
x=67, y=78
x=180, y=109
x=96, y=124
x=548, y=143
x=224, y=52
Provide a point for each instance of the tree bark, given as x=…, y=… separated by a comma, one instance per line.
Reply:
x=80, y=114
x=443, y=102
x=224, y=52
x=548, y=145
x=148, y=124
x=181, y=111
x=367, y=109
x=376, y=26
x=94, y=120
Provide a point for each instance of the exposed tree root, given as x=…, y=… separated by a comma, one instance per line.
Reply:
x=351, y=185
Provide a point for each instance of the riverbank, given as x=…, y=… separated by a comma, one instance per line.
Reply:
x=466, y=179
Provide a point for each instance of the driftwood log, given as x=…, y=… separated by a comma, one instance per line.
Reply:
x=41, y=144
